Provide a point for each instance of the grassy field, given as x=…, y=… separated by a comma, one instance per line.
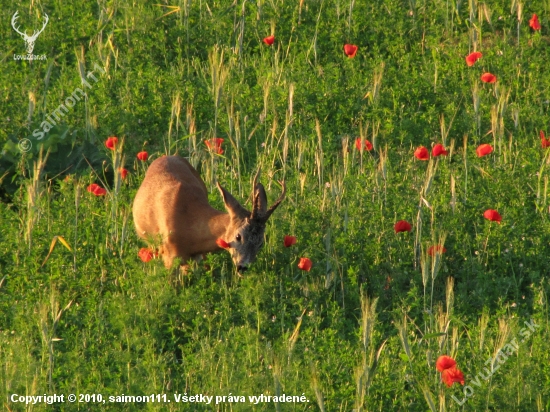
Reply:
x=81, y=314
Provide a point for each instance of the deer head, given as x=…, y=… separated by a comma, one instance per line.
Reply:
x=245, y=232
x=28, y=39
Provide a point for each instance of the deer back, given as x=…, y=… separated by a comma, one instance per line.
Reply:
x=171, y=198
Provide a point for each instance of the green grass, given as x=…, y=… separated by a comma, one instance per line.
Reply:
x=363, y=329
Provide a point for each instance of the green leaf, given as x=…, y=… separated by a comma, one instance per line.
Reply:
x=433, y=335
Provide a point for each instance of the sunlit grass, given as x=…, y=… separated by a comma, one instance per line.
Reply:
x=80, y=313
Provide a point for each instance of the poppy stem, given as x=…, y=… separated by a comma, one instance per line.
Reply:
x=486, y=242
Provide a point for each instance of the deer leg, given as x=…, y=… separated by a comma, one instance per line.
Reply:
x=168, y=261
x=184, y=266
x=169, y=252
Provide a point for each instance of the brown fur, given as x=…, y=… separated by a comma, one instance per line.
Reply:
x=171, y=206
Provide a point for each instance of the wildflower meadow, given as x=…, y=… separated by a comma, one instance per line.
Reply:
x=405, y=270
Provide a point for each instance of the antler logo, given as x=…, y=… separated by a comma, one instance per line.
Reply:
x=28, y=39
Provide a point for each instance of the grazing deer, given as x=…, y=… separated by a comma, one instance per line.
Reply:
x=172, y=203
x=28, y=39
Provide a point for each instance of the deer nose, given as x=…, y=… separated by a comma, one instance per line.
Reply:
x=241, y=269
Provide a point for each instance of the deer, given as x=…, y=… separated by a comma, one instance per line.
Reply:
x=171, y=205
x=30, y=40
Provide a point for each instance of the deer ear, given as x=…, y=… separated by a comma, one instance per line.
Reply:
x=260, y=202
x=232, y=205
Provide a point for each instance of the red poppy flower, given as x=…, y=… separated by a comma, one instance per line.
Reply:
x=534, y=22
x=111, y=142
x=222, y=243
x=215, y=145
x=439, y=150
x=92, y=187
x=452, y=375
x=484, y=150
x=143, y=156
x=367, y=145
x=432, y=250
x=492, y=215
x=488, y=78
x=544, y=141
x=289, y=241
x=422, y=153
x=444, y=362
x=269, y=40
x=145, y=254
x=99, y=191
x=96, y=189
x=123, y=173
x=350, y=50
x=402, y=226
x=305, y=264
x=472, y=58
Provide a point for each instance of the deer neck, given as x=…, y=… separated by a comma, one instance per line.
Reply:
x=217, y=226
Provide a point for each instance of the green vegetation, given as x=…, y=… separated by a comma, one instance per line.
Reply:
x=362, y=330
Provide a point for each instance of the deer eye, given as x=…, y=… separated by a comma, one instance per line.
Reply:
x=238, y=238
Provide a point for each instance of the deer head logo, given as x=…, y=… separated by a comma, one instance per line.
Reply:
x=28, y=39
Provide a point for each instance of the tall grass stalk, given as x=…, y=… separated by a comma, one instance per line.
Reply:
x=377, y=76
x=81, y=61
x=465, y=156
x=474, y=24
x=316, y=389
x=319, y=158
x=192, y=145
x=77, y=195
x=48, y=330
x=430, y=265
x=175, y=111
x=364, y=372
x=429, y=398
x=288, y=124
x=234, y=136
x=423, y=194
x=476, y=102
x=219, y=74
x=502, y=338
x=35, y=190
x=345, y=154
